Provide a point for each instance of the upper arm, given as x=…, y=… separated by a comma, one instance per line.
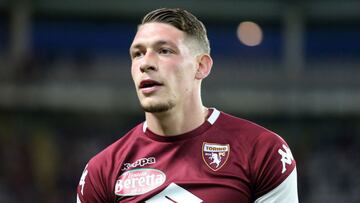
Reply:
x=286, y=192
x=274, y=170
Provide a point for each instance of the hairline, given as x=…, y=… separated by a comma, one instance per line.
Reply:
x=190, y=40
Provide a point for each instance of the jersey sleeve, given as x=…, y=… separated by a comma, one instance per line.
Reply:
x=284, y=193
x=91, y=188
x=273, y=170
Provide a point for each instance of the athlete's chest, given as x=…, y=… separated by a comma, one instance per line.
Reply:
x=190, y=171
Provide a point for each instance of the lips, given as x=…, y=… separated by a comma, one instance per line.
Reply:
x=149, y=87
x=149, y=83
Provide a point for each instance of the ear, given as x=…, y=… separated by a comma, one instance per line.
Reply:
x=205, y=63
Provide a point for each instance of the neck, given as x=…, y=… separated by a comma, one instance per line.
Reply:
x=176, y=121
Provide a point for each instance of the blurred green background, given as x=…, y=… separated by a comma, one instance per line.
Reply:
x=66, y=91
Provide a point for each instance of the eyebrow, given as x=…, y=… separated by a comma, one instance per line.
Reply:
x=157, y=43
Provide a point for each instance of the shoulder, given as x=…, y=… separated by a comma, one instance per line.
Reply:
x=116, y=150
x=96, y=182
x=245, y=130
x=264, y=148
x=101, y=168
x=268, y=155
x=255, y=137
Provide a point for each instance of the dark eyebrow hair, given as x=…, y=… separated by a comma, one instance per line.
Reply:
x=157, y=43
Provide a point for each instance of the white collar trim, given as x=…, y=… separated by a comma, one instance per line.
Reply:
x=212, y=118
x=144, y=126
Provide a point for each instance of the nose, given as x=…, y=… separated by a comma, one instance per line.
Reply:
x=148, y=62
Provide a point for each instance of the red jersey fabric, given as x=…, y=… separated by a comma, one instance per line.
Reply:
x=226, y=159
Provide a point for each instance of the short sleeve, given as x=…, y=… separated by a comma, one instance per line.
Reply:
x=271, y=164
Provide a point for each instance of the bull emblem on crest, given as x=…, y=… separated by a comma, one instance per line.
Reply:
x=215, y=155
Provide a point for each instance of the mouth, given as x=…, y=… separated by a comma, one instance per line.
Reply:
x=149, y=84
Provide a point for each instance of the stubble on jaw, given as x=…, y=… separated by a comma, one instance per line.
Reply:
x=158, y=108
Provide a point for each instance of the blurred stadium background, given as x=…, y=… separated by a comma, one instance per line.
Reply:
x=66, y=90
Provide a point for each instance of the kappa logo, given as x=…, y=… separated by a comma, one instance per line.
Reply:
x=286, y=157
x=215, y=155
x=140, y=162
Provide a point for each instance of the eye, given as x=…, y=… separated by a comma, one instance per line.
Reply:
x=165, y=51
x=136, y=54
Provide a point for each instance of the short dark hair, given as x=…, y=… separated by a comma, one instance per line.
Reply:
x=182, y=20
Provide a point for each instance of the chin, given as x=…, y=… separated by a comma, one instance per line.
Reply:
x=158, y=108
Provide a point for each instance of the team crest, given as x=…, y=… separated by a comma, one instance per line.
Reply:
x=215, y=155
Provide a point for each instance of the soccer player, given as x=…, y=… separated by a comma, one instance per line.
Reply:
x=185, y=152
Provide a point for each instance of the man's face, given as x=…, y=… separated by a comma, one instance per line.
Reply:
x=163, y=67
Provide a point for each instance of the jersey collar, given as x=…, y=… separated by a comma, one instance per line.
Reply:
x=214, y=115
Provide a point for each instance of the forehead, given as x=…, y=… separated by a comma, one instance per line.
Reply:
x=153, y=32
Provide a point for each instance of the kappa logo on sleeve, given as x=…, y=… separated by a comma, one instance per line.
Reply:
x=82, y=179
x=286, y=157
x=215, y=155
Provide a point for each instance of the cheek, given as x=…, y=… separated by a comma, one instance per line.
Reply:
x=135, y=66
x=133, y=72
x=185, y=77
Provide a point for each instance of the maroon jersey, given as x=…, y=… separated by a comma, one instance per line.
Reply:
x=226, y=159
